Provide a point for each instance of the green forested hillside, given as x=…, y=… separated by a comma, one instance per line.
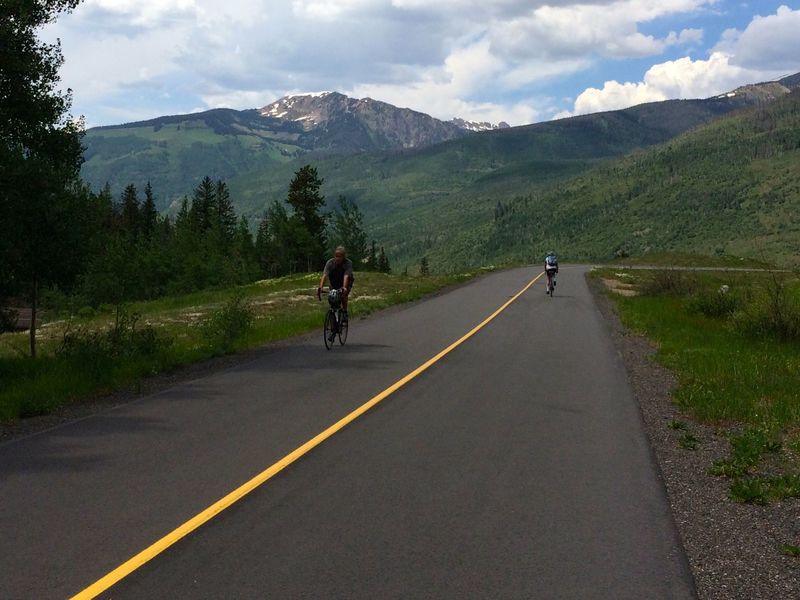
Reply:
x=176, y=153
x=257, y=155
x=442, y=199
x=730, y=187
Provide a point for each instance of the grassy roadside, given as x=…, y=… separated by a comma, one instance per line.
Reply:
x=732, y=340
x=87, y=356
x=673, y=259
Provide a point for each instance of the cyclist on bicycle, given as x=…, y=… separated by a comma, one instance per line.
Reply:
x=551, y=268
x=339, y=272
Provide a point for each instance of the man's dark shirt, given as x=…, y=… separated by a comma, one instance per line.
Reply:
x=336, y=272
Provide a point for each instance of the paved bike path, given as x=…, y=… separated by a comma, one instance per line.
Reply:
x=515, y=467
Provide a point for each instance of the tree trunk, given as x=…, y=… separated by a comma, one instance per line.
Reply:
x=34, y=299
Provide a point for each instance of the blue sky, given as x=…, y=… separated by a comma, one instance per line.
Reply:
x=519, y=61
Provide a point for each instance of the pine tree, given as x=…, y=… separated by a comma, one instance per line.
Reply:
x=383, y=262
x=203, y=205
x=245, y=252
x=305, y=198
x=182, y=219
x=148, y=214
x=277, y=242
x=129, y=211
x=225, y=217
x=372, y=258
x=264, y=252
x=424, y=268
x=40, y=158
x=348, y=231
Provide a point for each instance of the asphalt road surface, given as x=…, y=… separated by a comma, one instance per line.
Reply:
x=516, y=466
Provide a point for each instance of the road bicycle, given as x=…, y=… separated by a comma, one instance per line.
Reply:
x=551, y=282
x=336, y=324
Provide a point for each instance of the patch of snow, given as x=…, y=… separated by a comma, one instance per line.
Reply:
x=309, y=95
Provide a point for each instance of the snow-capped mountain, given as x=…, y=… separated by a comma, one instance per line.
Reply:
x=334, y=120
x=478, y=126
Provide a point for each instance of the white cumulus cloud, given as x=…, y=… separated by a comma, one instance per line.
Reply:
x=478, y=59
x=768, y=48
x=770, y=43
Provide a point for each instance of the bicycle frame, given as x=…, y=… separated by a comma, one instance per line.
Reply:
x=334, y=326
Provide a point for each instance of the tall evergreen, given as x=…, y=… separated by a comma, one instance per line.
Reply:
x=204, y=200
x=424, y=267
x=264, y=246
x=225, y=217
x=40, y=158
x=307, y=201
x=348, y=231
x=372, y=258
x=282, y=242
x=383, y=262
x=148, y=214
x=244, y=251
x=129, y=211
x=182, y=219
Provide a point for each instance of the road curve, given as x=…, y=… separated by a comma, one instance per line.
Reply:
x=514, y=467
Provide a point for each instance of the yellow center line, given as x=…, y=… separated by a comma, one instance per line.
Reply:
x=209, y=513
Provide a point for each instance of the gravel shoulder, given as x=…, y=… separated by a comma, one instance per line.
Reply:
x=734, y=549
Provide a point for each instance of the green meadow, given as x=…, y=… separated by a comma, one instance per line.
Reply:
x=86, y=353
x=733, y=340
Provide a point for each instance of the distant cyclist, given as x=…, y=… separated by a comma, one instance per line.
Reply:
x=551, y=268
x=339, y=272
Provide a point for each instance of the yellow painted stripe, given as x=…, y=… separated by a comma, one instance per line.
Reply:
x=171, y=538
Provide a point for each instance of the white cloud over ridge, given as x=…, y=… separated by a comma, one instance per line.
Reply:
x=768, y=43
x=767, y=49
x=476, y=59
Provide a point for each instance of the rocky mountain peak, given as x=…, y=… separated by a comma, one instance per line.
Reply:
x=360, y=124
x=479, y=125
x=766, y=91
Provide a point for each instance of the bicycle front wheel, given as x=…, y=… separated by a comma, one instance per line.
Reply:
x=329, y=330
x=342, y=331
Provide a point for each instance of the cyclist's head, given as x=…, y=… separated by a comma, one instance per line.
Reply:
x=339, y=254
x=551, y=253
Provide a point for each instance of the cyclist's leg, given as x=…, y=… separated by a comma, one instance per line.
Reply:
x=346, y=297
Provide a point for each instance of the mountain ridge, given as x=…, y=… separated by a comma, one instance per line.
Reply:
x=257, y=154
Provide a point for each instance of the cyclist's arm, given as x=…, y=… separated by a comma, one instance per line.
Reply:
x=324, y=276
x=321, y=283
x=348, y=277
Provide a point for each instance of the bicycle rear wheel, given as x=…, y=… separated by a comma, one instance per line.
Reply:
x=342, y=330
x=329, y=330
